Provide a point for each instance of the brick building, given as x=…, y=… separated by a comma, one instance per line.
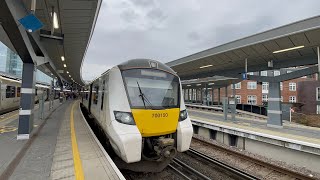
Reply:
x=251, y=92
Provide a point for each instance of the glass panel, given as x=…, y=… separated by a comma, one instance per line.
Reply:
x=151, y=88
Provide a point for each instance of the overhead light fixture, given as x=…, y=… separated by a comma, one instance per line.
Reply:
x=67, y=72
x=55, y=21
x=64, y=65
x=211, y=84
x=69, y=75
x=189, y=85
x=198, y=84
x=288, y=49
x=206, y=66
x=62, y=58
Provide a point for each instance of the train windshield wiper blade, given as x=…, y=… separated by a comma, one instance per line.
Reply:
x=145, y=99
x=142, y=96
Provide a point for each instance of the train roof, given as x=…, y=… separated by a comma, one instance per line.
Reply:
x=145, y=63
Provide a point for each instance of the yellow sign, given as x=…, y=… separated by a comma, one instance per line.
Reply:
x=156, y=122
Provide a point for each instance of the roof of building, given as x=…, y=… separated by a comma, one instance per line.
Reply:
x=229, y=59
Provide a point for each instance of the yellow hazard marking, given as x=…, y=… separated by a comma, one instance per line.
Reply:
x=2, y=120
x=5, y=129
x=156, y=122
x=75, y=152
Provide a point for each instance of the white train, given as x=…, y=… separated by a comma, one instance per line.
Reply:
x=11, y=91
x=139, y=106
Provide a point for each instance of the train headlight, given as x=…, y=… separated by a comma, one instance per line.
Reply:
x=124, y=117
x=183, y=115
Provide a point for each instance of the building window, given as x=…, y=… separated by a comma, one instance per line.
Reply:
x=265, y=86
x=292, y=86
x=264, y=73
x=292, y=99
x=276, y=73
x=318, y=94
x=252, y=99
x=238, y=99
x=318, y=109
x=264, y=98
x=252, y=85
x=281, y=86
x=250, y=73
x=237, y=85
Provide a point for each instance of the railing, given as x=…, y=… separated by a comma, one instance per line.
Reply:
x=219, y=109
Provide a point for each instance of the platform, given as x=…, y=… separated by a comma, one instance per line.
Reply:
x=61, y=147
x=294, y=143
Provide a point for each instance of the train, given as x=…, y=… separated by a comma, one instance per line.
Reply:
x=140, y=108
x=11, y=91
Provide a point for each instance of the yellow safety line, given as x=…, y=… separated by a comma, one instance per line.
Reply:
x=2, y=120
x=75, y=152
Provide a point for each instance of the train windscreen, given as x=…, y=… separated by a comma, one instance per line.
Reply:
x=151, y=89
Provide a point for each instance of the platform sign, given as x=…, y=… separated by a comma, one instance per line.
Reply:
x=31, y=23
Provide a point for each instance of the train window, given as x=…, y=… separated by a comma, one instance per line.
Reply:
x=102, y=96
x=11, y=92
x=36, y=91
x=18, y=91
x=95, y=95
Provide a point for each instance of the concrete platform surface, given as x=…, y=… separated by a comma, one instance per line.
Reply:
x=63, y=148
x=289, y=130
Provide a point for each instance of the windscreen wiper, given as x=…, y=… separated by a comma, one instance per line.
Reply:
x=142, y=96
x=145, y=99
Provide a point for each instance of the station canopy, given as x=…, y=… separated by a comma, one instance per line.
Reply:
x=286, y=46
x=65, y=36
x=209, y=82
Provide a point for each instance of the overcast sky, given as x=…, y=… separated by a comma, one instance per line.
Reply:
x=166, y=30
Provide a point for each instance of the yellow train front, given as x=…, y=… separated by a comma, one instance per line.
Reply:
x=139, y=106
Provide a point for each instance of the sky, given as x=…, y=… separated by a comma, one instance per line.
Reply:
x=166, y=30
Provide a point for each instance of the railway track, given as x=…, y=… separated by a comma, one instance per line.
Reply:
x=186, y=171
x=231, y=170
x=253, y=161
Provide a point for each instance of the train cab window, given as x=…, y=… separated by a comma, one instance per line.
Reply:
x=11, y=92
x=102, y=96
x=18, y=91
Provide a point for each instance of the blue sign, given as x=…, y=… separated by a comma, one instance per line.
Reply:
x=31, y=23
x=244, y=76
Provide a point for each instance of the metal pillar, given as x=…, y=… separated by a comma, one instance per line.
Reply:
x=212, y=96
x=318, y=52
x=201, y=95
x=226, y=91
x=274, y=105
x=196, y=99
x=219, y=96
x=26, y=101
x=207, y=94
x=233, y=90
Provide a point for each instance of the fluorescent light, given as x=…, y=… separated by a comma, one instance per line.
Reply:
x=188, y=85
x=64, y=65
x=198, y=84
x=62, y=58
x=211, y=84
x=55, y=21
x=69, y=75
x=288, y=49
x=67, y=72
x=206, y=66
